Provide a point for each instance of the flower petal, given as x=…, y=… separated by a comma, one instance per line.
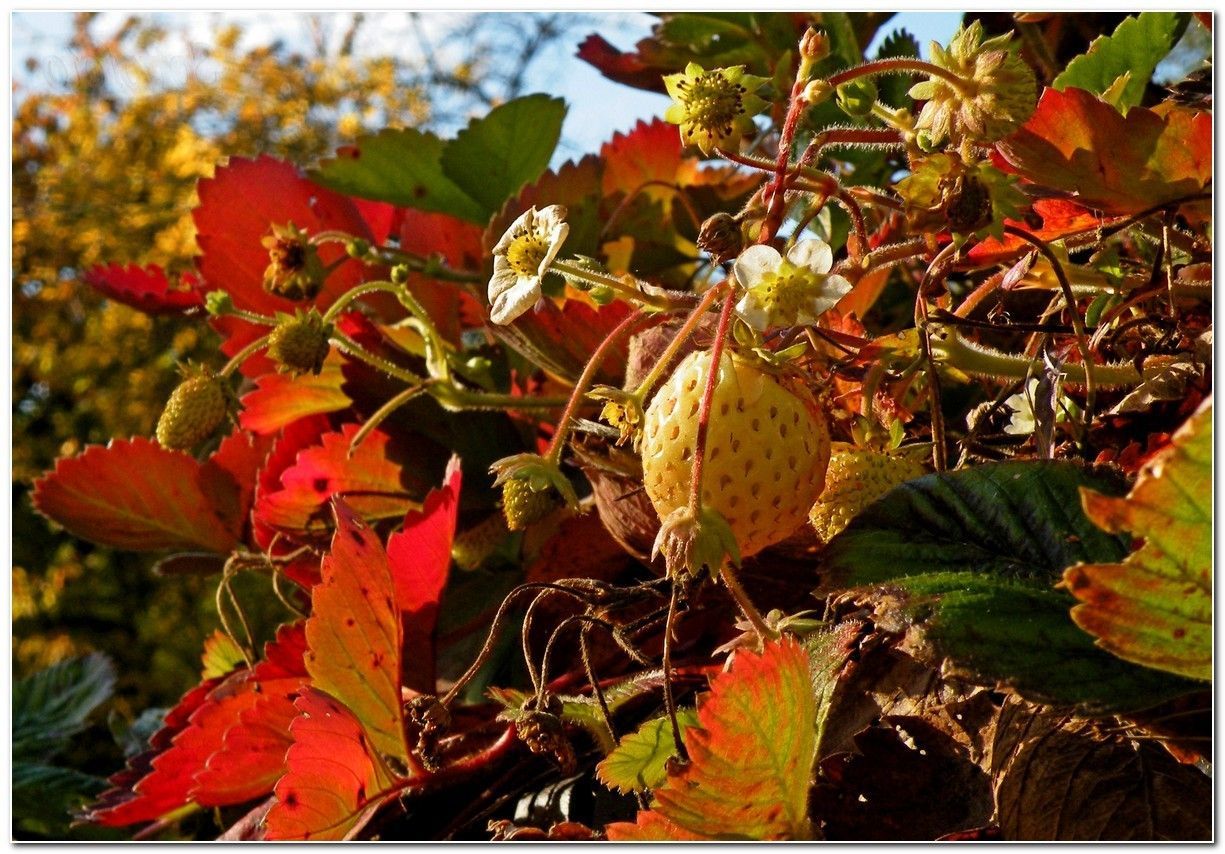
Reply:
x=813, y=254
x=521, y=224
x=513, y=301
x=754, y=263
x=830, y=291
x=753, y=312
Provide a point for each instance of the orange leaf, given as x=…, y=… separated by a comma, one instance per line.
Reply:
x=1079, y=144
x=281, y=399
x=354, y=634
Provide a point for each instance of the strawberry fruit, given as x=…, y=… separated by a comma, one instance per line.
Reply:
x=195, y=409
x=856, y=478
x=767, y=448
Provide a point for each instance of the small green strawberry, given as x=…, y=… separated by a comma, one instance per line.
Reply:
x=194, y=411
x=299, y=343
x=523, y=505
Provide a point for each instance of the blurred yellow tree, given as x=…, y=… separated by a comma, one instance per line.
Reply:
x=104, y=170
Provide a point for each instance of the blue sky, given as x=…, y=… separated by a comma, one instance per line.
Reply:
x=598, y=107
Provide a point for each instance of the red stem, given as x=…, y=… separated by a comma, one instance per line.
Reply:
x=778, y=191
x=708, y=398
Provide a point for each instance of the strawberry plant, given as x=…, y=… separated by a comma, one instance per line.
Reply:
x=828, y=458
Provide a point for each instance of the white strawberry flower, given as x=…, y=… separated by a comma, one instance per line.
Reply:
x=521, y=258
x=790, y=291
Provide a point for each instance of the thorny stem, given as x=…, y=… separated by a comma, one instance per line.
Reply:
x=764, y=632
x=558, y=444
x=898, y=65
x=678, y=341
x=669, y=696
x=242, y=355
x=584, y=646
x=574, y=271
x=777, y=205
x=852, y=208
x=1078, y=322
x=708, y=397
x=846, y=136
x=251, y=317
x=348, y=345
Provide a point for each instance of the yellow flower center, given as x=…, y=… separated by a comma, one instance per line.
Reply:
x=711, y=101
x=525, y=254
x=783, y=293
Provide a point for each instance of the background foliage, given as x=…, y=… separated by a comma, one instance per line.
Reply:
x=105, y=167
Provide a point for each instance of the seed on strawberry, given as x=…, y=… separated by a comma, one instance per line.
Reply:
x=522, y=505
x=766, y=449
x=195, y=409
x=856, y=478
x=299, y=343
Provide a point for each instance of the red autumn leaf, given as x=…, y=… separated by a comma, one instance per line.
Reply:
x=751, y=755
x=293, y=439
x=145, y=288
x=650, y=152
x=1079, y=144
x=134, y=494
x=333, y=781
x=281, y=399
x=420, y=558
x=369, y=481
x=112, y=806
x=251, y=756
x=354, y=635
x=1059, y=219
x=228, y=477
x=238, y=206
x=202, y=723
x=560, y=340
x=621, y=66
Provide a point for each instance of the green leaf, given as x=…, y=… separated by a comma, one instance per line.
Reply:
x=1014, y=634
x=44, y=795
x=640, y=760
x=53, y=704
x=493, y=157
x=1137, y=45
x=751, y=756
x=828, y=653
x=1155, y=607
x=401, y=166
x=1015, y=520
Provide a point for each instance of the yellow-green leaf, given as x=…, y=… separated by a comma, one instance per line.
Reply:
x=1155, y=608
x=640, y=760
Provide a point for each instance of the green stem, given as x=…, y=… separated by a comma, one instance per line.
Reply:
x=981, y=361
x=244, y=354
x=574, y=271
x=348, y=345
x=357, y=293
x=381, y=414
x=1078, y=322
